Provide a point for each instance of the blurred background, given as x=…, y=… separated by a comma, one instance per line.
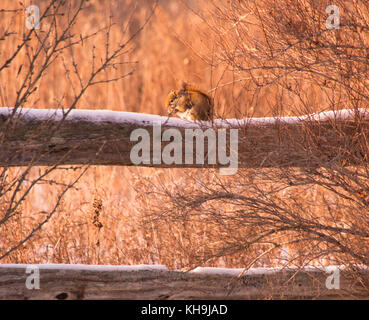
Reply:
x=256, y=58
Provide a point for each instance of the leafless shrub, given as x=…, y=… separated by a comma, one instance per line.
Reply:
x=286, y=46
x=31, y=56
x=282, y=215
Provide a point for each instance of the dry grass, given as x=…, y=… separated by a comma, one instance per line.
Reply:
x=108, y=219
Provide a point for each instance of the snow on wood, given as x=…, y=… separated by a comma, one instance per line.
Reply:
x=104, y=137
x=262, y=270
x=142, y=119
x=87, y=267
x=156, y=282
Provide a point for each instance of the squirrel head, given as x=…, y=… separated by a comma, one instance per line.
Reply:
x=170, y=102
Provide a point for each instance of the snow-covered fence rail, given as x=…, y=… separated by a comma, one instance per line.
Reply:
x=157, y=282
x=102, y=137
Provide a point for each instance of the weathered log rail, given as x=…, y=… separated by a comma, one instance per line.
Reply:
x=45, y=137
x=151, y=283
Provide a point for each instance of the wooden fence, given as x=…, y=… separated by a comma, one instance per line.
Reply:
x=152, y=283
x=49, y=137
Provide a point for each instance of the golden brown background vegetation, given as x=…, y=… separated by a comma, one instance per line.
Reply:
x=108, y=218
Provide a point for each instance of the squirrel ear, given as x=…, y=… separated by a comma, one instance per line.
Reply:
x=184, y=86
